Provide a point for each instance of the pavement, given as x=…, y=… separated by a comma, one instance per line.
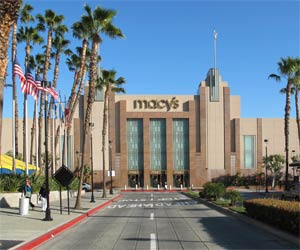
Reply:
x=22, y=232
x=27, y=231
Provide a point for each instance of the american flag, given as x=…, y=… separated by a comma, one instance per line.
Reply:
x=19, y=72
x=53, y=93
x=31, y=85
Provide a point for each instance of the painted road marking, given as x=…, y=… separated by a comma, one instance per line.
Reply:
x=151, y=216
x=151, y=205
x=153, y=242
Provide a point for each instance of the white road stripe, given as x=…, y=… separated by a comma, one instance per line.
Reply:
x=151, y=216
x=153, y=242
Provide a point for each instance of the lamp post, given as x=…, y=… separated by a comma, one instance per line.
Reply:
x=46, y=84
x=91, y=125
x=110, y=167
x=266, y=162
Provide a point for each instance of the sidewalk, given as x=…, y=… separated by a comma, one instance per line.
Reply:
x=24, y=232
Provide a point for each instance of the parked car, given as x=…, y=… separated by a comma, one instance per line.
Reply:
x=293, y=193
x=86, y=187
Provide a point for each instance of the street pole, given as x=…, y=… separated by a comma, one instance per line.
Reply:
x=92, y=164
x=110, y=167
x=266, y=146
x=48, y=211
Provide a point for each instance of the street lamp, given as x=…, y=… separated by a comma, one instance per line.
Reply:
x=46, y=84
x=266, y=164
x=110, y=167
x=91, y=125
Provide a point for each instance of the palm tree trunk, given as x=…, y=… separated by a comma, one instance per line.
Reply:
x=287, y=130
x=104, y=139
x=297, y=112
x=32, y=135
x=90, y=101
x=15, y=99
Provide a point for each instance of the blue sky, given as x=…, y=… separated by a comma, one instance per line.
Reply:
x=168, y=47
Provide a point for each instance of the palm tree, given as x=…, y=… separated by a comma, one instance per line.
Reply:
x=60, y=46
x=109, y=84
x=96, y=22
x=287, y=68
x=8, y=15
x=296, y=87
x=49, y=21
x=30, y=36
x=39, y=61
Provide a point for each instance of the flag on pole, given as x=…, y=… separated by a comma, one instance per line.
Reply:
x=19, y=72
x=67, y=113
x=31, y=85
x=53, y=93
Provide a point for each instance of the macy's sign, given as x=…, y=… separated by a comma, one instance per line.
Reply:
x=156, y=104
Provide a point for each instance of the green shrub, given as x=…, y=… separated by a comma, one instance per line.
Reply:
x=281, y=214
x=234, y=197
x=213, y=190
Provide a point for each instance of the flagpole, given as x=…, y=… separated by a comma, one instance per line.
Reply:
x=26, y=134
x=65, y=138
x=53, y=148
x=36, y=137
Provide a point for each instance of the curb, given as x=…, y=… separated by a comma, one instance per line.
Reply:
x=50, y=234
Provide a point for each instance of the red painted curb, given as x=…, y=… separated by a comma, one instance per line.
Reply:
x=31, y=244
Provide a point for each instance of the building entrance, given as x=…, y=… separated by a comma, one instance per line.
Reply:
x=158, y=179
x=136, y=179
x=181, y=179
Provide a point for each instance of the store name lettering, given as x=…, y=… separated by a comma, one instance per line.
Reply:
x=156, y=104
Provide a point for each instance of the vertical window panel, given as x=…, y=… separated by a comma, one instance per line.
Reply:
x=158, y=144
x=181, y=144
x=249, y=151
x=135, y=153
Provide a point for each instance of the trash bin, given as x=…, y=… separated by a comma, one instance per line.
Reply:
x=23, y=206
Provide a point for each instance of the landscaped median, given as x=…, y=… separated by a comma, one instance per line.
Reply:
x=281, y=214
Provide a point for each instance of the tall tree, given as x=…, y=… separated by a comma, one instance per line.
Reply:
x=95, y=22
x=50, y=21
x=109, y=84
x=8, y=15
x=287, y=68
x=274, y=163
x=15, y=99
x=30, y=36
x=296, y=87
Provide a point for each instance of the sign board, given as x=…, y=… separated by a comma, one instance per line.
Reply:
x=113, y=173
x=63, y=176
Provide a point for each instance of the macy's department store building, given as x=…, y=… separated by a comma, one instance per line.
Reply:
x=182, y=140
x=166, y=139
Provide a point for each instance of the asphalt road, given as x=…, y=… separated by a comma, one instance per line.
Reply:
x=160, y=220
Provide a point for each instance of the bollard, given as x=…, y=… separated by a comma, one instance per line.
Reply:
x=147, y=187
x=136, y=186
x=180, y=186
x=23, y=206
x=125, y=187
x=170, y=187
x=157, y=186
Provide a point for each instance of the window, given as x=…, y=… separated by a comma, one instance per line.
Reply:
x=157, y=144
x=135, y=144
x=181, y=144
x=99, y=95
x=249, y=149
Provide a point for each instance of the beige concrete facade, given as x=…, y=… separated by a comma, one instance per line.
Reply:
x=216, y=136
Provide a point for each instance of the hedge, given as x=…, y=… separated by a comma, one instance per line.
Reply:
x=279, y=213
